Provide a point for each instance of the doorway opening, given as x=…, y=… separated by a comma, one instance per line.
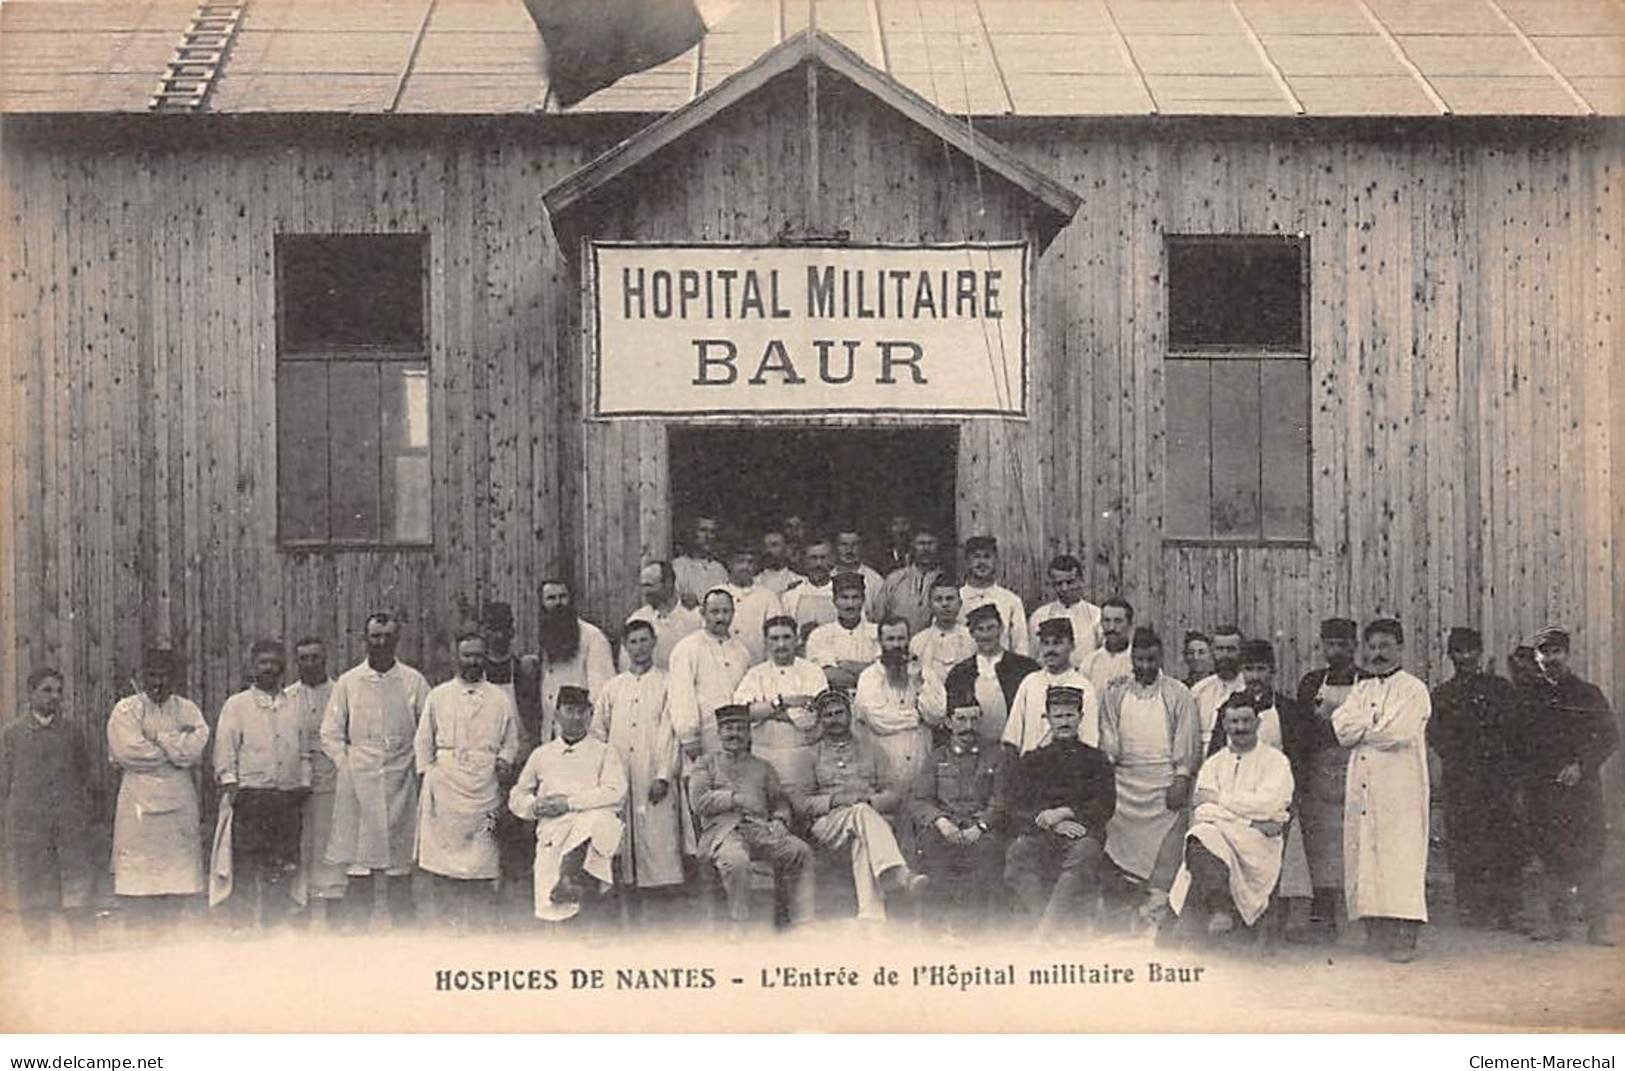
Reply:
x=751, y=479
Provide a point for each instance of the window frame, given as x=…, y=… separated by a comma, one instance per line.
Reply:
x=1219, y=353
x=381, y=356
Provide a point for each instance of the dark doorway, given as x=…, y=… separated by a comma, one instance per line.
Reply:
x=752, y=478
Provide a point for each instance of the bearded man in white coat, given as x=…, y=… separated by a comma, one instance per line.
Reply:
x=1385, y=812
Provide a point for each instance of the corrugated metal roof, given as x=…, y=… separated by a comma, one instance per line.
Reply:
x=986, y=57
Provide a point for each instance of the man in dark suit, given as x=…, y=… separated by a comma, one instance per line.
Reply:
x=992, y=674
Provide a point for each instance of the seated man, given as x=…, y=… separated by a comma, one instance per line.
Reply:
x=847, y=802
x=1059, y=797
x=572, y=787
x=744, y=814
x=1240, y=809
x=953, y=815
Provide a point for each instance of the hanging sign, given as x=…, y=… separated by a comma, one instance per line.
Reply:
x=706, y=330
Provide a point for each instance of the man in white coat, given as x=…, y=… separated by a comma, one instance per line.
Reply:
x=466, y=745
x=778, y=693
x=982, y=589
x=368, y=731
x=157, y=739
x=1066, y=577
x=706, y=667
x=631, y=715
x=1240, y=810
x=1385, y=813
x=572, y=787
x=1027, y=728
x=846, y=646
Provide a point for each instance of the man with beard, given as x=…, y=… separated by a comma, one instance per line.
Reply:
x=697, y=570
x=706, y=668
x=1569, y=733
x=906, y=591
x=1066, y=577
x=47, y=805
x=887, y=707
x=846, y=646
x=317, y=880
x=156, y=738
x=572, y=787
x=574, y=652
x=1240, y=812
x=848, y=802
x=982, y=589
x=1224, y=682
x=1198, y=656
x=467, y=746
x=778, y=693
x=776, y=575
x=796, y=535
x=1148, y=730
x=744, y=815
x=1322, y=772
x=1475, y=732
x=1027, y=728
x=753, y=602
x=812, y=602
x=368, y=732
x=260, y=765
x=849, y=559
x=1385, y=816
x=953, y=810
x=664, y=612
x=993, y=675
x=1060, y=799
x=945, y=642
x=632, y=716
x=1111, y=660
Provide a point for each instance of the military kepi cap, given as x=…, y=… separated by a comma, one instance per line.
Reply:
x=1056, y=628
x=1063, y=695
x=733, y=712
x=1462, y=638
x=1552, y=636
x=831, y=697
x=571, y=695
x=846, y=582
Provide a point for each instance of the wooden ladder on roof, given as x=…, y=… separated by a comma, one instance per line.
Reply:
x=191, y=70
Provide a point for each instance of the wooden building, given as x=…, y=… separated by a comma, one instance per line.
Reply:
x=1321, y=312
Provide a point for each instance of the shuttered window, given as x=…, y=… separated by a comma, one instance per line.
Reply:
x=352, y=391
x=1237, y=380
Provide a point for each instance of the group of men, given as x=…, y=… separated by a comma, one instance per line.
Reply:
x=772, y=718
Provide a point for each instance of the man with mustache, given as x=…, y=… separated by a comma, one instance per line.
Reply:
x=1568, y=733
x=1198, y=656
x=847, y=804
x=573, y=788
x=982, y=589
x=1066, y=578
x=812, y=601
x=906, y=591
x=260, y=764
x=846, y=646
x=887, y=706
x=1385, y=817
x=467, y=746
x=1241, y=805
x=754, y=603
x=1111, y=660
x=1027, y=728
x=849, y=559
x=1148, y=730
x=776, y=574
x=778, y=693
x=697, y=569
x=574, y=652
x=368, y=732
x=664, y=611
x=945, y=642
x=1225, y=681
x=954, y=816
x=992, y=675
x=1322, y=773
x=744, y=815
x=706, y=668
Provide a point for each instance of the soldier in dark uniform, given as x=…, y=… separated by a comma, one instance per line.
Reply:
x=46, y=806
x=1568, y=733
x=1058, y=799
x=1473, y=731
x=521, y=677
x=953, y=814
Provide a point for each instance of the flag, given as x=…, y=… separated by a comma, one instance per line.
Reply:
x=593, y=43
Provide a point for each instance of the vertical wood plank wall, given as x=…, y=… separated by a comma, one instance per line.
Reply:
x=1466, y=387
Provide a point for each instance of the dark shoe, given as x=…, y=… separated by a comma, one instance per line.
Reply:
x=1597, y=934
x=1547, y=930
x=1402, y=954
